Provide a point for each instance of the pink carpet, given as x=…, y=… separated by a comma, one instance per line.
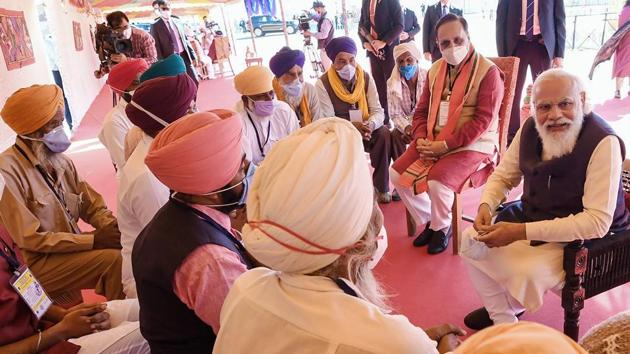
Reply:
x=427, y=289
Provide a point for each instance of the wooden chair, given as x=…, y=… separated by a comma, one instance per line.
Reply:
x=509, y=67
x=594, y=267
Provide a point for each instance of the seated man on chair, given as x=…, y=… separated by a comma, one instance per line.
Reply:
x=265, y=119
x=455, y=130
x=570, y=162
x=45, y=198
x=348, y=92
x=289, y=85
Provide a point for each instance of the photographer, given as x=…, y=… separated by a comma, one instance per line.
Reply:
x=142, y=44
x=325, y=32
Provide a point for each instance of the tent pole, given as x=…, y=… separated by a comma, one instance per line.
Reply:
x=344, y=17
x=228, y=28
x=284, y=23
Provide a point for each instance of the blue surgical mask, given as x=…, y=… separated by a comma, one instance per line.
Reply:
x=408, y=71
x=55, y=140
x=263, y=108
x=347, y=72
x=293, y=89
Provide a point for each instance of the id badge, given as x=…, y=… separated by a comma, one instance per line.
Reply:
x=356, y=115
x=31, y=291
x=443, y=116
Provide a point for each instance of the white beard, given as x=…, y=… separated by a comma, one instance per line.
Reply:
x=557, y=144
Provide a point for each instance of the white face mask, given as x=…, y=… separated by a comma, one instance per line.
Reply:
x=294, y=89
x=347, y=72
x=455, y=55
x=127, y=33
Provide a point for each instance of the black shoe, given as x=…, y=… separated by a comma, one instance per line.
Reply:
x=395, y=196
x=480, y=319
x=424, y=238
x=439, y=241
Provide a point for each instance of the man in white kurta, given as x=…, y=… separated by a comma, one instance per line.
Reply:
x=123, y=80
x=265, y=119
x=570, y=163
x=306, y=302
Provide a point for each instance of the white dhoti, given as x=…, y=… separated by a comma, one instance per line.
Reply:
x=515, y=277
x=435, y=205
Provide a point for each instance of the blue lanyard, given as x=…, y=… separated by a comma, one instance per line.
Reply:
x=260, y=146
x=7, y=253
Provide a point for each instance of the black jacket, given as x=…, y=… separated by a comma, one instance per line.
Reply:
x=388, y=22
x=411, y=25
x=162, y=37
x=431, y=17
x=552, y=20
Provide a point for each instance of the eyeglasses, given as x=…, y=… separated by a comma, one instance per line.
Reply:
x=564, y=105
x=447, y=43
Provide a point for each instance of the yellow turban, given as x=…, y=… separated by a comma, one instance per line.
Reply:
x=522, y=338
x=30, y=108
x=253, y=81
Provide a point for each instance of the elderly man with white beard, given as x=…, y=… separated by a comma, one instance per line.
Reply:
x=569, y=160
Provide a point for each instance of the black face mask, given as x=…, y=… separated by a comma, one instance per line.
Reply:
x=228, y=197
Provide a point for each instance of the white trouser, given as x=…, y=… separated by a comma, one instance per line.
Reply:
x=123, y=337
x=501, y=306
x=435, y=205
x=326, y=62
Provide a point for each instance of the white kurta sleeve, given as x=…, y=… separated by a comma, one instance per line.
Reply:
x=505, y=177
x=325, y=104
x=600, y=199
x=313, y=102
x=377, y=113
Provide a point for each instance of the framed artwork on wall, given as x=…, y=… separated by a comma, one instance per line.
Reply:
x=78, y=40
x=15, y=41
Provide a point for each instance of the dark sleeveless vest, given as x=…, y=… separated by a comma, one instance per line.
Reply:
x=342, y=109
x=554, y=188
x=176, y=231
x=322, y=43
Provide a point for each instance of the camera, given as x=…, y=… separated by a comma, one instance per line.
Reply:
x=304, y=23
x=109, y=42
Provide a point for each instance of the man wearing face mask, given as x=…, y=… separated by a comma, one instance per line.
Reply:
x=143, y=45
x=325, y=32
x=170, y=39
x=45, y=198
x=123, y=79
x=404, y=88
x=348, y=92
x=155, y=104
x=289, y=85
x=188, y=256
x=454, y=133
x=265, y=119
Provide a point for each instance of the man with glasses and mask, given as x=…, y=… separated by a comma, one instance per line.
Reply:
x=155, y=104
x=168, y=33
x=265, y=119
x=454, y=133
x=123, y=79
x=348, y=92
x=142, y=44
x=188, y=256
x=45, y=198
x=569, y=160
x=289, y=85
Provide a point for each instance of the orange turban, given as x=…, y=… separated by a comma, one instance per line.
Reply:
x=198, y=153
x=30, y=108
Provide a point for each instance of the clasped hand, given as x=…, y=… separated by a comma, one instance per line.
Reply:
x=364, y=128
x=497, y=235
x=431, y=150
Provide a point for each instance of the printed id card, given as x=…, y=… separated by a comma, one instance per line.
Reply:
x=31, y=291
x=356, y=115
x=443, y=116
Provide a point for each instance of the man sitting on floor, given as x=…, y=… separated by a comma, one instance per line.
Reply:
x=265, y=119
x=348, y=92
x=290, y=87
x=154, y=105
x=569, y=160
x=455, y=130
x=45, y=198
x=188, y=256
x=404, y=88
x=123, y=80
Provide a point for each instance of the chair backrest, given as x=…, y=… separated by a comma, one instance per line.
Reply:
x=509, y=67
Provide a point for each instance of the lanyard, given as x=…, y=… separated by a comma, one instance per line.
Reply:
x=448, y=77
x=60, y=197
x=260, y=146
x=7, y=253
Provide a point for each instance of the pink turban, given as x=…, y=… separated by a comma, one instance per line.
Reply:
x=167, y=98
x=199, y=153
x=122, y=75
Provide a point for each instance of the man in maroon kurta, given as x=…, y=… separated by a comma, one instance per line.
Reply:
x=455, y=132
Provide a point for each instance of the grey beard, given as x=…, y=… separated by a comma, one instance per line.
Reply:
x=559, y=144
x=52, y=161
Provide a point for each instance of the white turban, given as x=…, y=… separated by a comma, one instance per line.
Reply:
x=394, y=83
x=315, y=183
